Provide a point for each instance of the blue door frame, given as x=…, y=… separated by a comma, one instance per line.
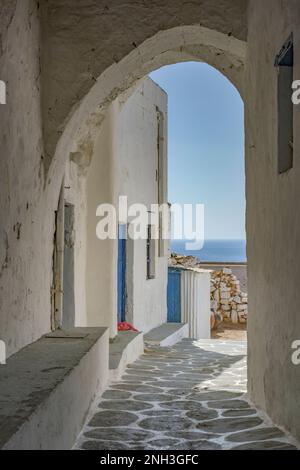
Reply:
x=174, y=295
x=121, y=273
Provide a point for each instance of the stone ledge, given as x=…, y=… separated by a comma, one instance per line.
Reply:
x=124, y=349
x=167, y=334
x=46, y=389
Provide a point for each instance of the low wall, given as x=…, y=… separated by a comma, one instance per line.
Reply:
x=228, y=302
x=46, y=389
x=195, y=302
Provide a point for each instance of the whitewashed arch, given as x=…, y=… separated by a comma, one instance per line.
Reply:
x=183, y=43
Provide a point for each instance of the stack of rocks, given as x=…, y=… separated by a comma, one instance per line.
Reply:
x=228, y=303
x=185, y=261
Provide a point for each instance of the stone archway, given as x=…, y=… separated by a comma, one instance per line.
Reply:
x=187, y=43
x=227, y=54
x=179, y=44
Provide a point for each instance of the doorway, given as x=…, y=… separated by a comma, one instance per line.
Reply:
x=68, y=317
x=63, y=290
x=121, y=273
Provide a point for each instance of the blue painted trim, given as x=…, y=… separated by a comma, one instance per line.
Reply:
x=122, y=273
x=174, y=295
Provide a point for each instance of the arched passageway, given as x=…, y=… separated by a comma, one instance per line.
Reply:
x=81, y=132
x=89, y=57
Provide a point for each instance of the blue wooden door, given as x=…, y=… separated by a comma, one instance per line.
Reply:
x=174, y=295
x=121, y=273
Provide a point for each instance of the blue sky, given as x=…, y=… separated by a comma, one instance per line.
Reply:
x=206, y=145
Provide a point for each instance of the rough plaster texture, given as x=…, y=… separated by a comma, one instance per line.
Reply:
x=25, y=242
x=170, y=46
x=29, y=198
x=272, y=220
x=75, y=194
x=101, y=279
x=137, y=149
x=124, y=349
x=83, y=39
x=108, y=48
x=124, y=163
x=167, y=334
x=43, y=402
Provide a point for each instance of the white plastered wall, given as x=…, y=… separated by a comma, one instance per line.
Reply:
x=29, y=194
x=75, y=194
x=138, y=164
x=124, y=162
x=273, y=222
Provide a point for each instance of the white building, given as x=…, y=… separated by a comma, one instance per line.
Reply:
x=142, y=177
x=131, y=149
x=130, y=160
x=63, y=72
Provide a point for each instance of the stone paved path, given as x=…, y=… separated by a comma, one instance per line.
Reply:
x=188, y=397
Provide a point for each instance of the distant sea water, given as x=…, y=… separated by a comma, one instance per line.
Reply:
x=220, y=251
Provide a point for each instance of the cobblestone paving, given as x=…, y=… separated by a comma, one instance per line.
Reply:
x=188, y=397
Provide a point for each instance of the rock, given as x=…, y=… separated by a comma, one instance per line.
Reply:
x=236, y=284
x=238, y=413
x=226, y=308
x=118, y=434
x=227, y=300
x=164, y=443
x=242, y=307
x=224, y=425
x=197, y=445
x=212, y=321
x=217, y=295
x=112, y=418
x=225, y=295
x=186, y=261
x=124, y=405
x=234, y=316
x=218, y=318
x=229, y=404
x=104, y=445
x=166, y=423
x=265, y=445
x=116, y=395
x=256, y=435
x=227, y=271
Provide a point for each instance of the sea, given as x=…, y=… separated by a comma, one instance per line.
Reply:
x=219, y=251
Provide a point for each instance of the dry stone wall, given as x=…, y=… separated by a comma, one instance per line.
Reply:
x=228, y=302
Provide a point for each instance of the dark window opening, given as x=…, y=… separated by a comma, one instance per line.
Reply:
x=150, y=246
x=285, y=64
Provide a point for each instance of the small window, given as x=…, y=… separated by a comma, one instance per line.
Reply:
x=150, y=254
x=285, y=65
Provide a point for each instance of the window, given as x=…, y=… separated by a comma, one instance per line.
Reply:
x=285, y=63
x=161, y=173
x=150, y=254
x=160, y=157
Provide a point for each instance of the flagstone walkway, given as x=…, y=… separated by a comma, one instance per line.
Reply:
x=187, y=397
